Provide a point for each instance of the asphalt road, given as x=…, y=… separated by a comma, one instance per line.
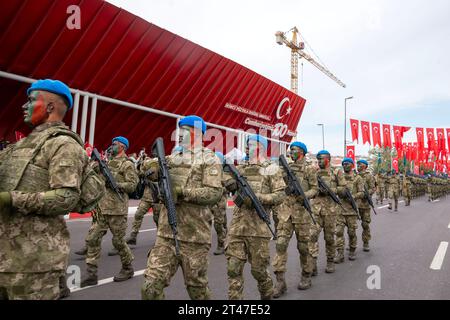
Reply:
x=406, y=261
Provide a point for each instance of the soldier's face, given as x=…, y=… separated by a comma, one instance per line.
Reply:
x=361, y=167
x=189, y=137
x=35, y=110
x=323, y=161
x=348, y=166
x=297, y=153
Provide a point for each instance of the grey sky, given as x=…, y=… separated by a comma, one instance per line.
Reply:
x=392, y=55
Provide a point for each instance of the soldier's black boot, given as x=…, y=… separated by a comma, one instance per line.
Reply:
x=131, y=239
x=396, y=206
x=330, y=267
x=390, y=206
x=82, y=251
x=125, y=273
x=64, y=291
x=91, y=279
x=339, y=256
x=305, y=282
x=366, y=247
x=352, y=255
x=280, y=287
x=219, y=250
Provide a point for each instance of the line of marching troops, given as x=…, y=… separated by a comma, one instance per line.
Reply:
x=48, y=174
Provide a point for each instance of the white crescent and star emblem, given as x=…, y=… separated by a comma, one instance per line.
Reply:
x=375, y=129
x=280, y=107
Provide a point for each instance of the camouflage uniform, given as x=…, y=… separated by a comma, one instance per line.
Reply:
x=381, y=187
x=325, y=213
x=220, y=222
x=198, y=173
x=364, y=207
x=407, y=190
x=112, y=214
x=394, y=190
x=349, y=218
x=248, y=235
x=34, y=239
x=293, y=217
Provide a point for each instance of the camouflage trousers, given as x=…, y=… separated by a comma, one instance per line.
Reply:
x=220, y=224
x=351, y=222
x=407, y=195
x=365, y=223
x=255, y=250
x=393, y=196
x=162, y=264
x=101, y=224
x=380, y=194
x=30, y=286
x=142, y=209
x=285, y=232
x=328, y=224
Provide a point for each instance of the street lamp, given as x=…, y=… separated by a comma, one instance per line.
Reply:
x=323, y=135
x=345, y=124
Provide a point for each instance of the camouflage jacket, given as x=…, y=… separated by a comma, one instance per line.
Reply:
x=33, y=238
x=125, y=174
x=199, y=174
x=369, y=183
x=267, y=182
x=291, y=207
x=356, y=186
x=394, y=183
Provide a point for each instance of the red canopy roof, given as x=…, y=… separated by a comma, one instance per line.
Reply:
x=119, y=55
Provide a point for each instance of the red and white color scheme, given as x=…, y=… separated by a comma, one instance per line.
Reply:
x=420, y=139
x=354, y=125
x=387, y=136
x=376, y=134
x=117, y=56
x=395, y=164
x=19, y=135
x=430, y=138
x=351, y=152
x=365, y=131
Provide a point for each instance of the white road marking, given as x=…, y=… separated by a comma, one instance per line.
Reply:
x=437, y=200
x=382, y=207
x=436, y=264
x=147, y=230
x=105, y=281
x=449, y=225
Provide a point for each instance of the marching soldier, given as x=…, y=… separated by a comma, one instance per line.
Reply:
x=363, y=205
x=196, y=175
x=348, y=217
x=407, y=189
x=248, y=235
x=394, y=189
x=112, y=214
x=40, y=182
x=325, y=211
x=293, y=217
x=381, y=187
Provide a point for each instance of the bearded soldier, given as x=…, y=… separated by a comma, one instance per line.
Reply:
x=293, y=217
x=196, y=175
x=348, y=217
x=40, y=182
x=364, y=207
x=325, y=210
x=248, y=235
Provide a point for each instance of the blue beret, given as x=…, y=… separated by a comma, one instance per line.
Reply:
x=321, y=152
x=299, y=144
x=221, y=156
x=122, y=140
x=348, y=160
x=193, y=121
x=258, y=138
x=53, y=86
x=363, y=162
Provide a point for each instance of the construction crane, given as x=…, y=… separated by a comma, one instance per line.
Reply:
x=298, y=53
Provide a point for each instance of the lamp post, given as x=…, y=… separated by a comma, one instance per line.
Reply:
x=323, y=135
x=345, y=124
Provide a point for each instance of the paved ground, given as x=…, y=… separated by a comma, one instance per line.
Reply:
x=408, y=250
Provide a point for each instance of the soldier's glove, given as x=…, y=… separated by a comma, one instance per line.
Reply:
x=265, y=199
x=177, y=193
x=5, y=202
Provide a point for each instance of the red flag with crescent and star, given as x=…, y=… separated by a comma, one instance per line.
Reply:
x=430, y=137
x=387, y=136
x=448, y=138
x=420, y=139
x=441, y=141
x=354, y=124
x=351, y=152
x=376, y=135
x=365, y=131
x=395, y=164
x=398, y=136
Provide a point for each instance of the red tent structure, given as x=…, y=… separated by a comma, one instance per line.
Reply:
x=130, y=77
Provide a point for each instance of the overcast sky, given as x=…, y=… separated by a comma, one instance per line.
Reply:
x=394, y=56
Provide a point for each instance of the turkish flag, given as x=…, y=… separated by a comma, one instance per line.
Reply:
x=430, y=136
x=405, y=129
x=354, y=124
x=441, y=140
x=351, y=152
x=387, y=136
x=395, y=164
x=398, y=136
x=19, y=135
x=376, y=135
x=414, y=152
x=448, y=138
x=420, y=138
x=365, y=131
